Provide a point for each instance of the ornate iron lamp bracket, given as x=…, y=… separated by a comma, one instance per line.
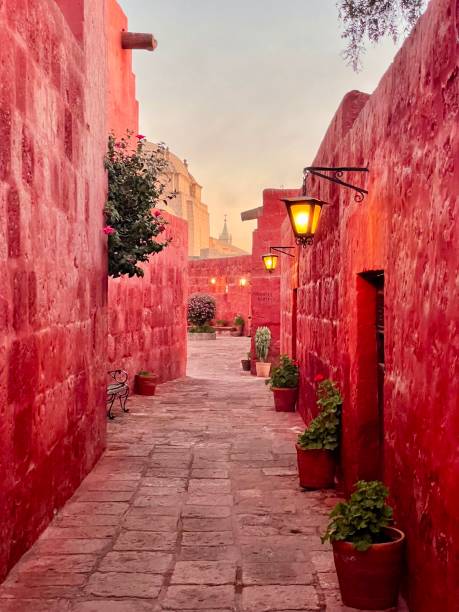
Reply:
x=337, y=174
x=281, y=250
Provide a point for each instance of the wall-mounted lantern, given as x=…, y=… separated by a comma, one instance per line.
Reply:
x=304, y=211
x=270, y=261
x=242, y=282
x=213, y=281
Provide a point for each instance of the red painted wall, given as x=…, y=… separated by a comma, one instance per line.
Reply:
x=52, y=261
x=122, y=106
x=147, y=316
x=231, y=297
x=266, y=286
x=407, y=226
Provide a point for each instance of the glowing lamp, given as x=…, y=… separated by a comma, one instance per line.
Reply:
x=213, y=281
x=243, y=282
x=304, y=215
x=270, y=261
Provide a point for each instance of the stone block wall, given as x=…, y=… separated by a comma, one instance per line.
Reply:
x=406, y=227
x=147, y=316
x=53, y=294
x=232, y=298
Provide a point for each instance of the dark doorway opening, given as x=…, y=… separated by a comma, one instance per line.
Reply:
x=371, y=367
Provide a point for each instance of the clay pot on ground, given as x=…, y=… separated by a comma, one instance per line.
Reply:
x=285, y=399
x=316, y=468
x=370, y=579
x=246, y=365
x=145, y=384
x=263, y=368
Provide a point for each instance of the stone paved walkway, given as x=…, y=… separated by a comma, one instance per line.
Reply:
x=195, y=505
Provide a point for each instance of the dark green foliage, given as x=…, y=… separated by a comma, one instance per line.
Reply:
x=372, y=20
x=239, y=320
x=324, y=431
x=136, y=183
x=362, y=519
x=285, y=375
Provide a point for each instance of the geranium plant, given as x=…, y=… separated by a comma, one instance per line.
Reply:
x=324, y=431
x=137, y=180
x=362, y=519
x=201, y=310
x=285, y=375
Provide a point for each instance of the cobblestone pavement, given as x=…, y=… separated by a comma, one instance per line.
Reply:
x=194, y=506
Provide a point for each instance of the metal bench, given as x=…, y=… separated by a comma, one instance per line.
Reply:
x=119, y=389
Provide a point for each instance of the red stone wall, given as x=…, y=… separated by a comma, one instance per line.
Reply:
x=231, y=297
x=408, y=133
x=147, y=316
x=266, y=286
x=52, y=260
x=122, y=106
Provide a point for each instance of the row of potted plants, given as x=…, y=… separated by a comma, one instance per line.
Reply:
x=367, y=549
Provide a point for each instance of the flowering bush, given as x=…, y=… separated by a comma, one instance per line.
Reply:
x=201, y=309
x=324, y=430
x=136, y=183
x=285, y=375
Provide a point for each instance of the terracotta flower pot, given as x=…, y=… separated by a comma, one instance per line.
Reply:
x=285, y=399
x=246, y=364
x=145, y=385
x=316, y=468
x=263, y=369
x=370, y=580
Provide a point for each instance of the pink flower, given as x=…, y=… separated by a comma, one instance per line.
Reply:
x=118, y=145
x=157, y=213
x=319, y=378
x=140, y=136
x=108, y=230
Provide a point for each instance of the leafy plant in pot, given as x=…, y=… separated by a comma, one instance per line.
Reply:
x=239, y=324
x=145, y=383
x=284, y=384
x=201, y=310
x=367, y=551
x=316, y=446
x=247, y=363
x=262, y=344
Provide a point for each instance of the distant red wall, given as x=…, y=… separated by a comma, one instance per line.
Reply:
x=147, y=316
x=122, y=106
x=266, y=286
x=52, y=261
x=231, y=297
x=407, y=227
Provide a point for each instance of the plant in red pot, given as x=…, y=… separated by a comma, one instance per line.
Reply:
x=316, y=446
x=284, y=384
x=145, y=383
x=367, y=551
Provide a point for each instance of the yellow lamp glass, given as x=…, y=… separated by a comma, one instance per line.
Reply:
x=270, y=261
x=243, y=282
x=304, y=214
x=213, y=281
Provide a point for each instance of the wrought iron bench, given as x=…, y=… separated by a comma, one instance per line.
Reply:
x=117, y=390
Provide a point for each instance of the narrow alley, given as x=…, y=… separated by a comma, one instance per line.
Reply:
x=195, y=505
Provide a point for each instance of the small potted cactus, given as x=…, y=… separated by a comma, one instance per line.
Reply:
x=262, y=344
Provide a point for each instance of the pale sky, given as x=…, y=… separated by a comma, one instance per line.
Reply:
x=244, y=90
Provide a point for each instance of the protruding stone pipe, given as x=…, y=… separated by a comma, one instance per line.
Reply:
x=136, y=40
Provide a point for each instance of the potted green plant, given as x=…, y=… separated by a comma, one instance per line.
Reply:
x=284, y=384
x=316, y=446
x=239, y=324
x=247, y=363
x=367, y=551
x=262, y=344
x=201, y=310
x=145, y=383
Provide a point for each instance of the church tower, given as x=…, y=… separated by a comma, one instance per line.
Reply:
x=225, y=237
